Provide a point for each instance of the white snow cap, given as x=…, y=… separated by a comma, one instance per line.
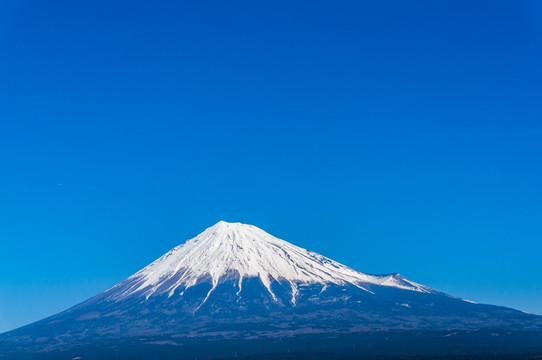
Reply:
x=239, y=251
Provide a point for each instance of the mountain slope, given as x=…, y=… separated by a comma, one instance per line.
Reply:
x=235, y=283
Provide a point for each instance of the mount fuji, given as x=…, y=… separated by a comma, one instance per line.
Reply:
x=235, y=291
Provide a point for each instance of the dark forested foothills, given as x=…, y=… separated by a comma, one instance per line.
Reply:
x=235, y=289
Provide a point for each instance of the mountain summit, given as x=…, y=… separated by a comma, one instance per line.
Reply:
x=236, y=251
x=235, y=289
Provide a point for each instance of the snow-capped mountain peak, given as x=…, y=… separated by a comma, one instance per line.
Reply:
x=234, y=286
x=236, y=251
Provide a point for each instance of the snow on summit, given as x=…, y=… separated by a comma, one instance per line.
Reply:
x=237, y=251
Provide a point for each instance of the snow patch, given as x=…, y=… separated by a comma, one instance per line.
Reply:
x=239, y=251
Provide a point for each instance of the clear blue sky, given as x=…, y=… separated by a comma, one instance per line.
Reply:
x=390, y=136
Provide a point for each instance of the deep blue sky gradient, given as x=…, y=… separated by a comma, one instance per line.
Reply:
x=392, y=136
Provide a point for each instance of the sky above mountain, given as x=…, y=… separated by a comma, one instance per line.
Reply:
x=390, y=136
